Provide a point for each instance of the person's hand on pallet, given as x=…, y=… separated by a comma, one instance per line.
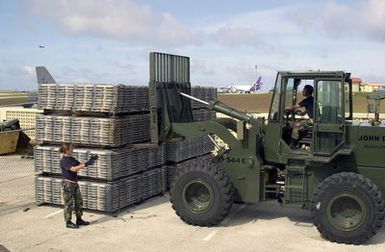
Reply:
x=91, y=161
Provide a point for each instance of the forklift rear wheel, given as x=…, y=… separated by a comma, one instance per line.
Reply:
x=348, y=208
x=202, y=194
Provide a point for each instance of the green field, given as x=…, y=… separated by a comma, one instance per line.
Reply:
x=260, y=103
x=9, y=98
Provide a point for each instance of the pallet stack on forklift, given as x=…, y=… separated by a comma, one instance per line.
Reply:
x=183, y=153
x=111, y=121
x=200, y=111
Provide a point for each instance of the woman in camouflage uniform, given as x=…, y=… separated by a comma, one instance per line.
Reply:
x=71, y=193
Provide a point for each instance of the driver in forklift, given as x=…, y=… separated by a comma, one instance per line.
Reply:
x=300, y=125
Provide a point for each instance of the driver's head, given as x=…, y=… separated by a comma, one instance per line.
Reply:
x=307, y=90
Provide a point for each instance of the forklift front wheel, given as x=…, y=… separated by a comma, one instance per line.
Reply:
x=347, y=208
x=202, y=194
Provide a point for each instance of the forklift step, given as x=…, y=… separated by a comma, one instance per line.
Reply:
x=295, y=169
x=293, y=187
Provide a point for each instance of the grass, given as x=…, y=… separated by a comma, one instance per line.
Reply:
x=15, y=100
x=260, y=103
x=10, y=97
x=253, y=103
x=12, y=93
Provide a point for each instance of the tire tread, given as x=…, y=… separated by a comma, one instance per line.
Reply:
x=366, y=184
x=225, y=185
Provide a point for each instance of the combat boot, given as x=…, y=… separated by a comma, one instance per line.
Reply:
x=69, y=224
x=81, y=222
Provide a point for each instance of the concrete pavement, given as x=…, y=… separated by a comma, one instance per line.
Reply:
x=153, y=226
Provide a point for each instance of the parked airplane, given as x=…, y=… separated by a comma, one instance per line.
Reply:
x=243, y=89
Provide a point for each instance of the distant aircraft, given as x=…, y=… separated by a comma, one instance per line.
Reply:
x=43, y=76
x=257, y=85
x=41, y=46
x=243, y=89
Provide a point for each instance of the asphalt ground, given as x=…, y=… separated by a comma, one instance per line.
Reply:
x=153, y=226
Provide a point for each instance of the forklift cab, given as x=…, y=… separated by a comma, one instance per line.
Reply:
x=324, y=133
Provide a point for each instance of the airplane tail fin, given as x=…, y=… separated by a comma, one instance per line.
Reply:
x=257, y=85
x=43, y=76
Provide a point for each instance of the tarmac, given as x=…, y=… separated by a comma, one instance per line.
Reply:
x=153, y=226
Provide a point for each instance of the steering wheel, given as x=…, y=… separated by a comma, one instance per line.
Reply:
x=292, y=113
x=298, y=112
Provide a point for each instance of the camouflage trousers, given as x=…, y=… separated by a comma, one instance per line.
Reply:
x=299, y=126
x=72, y=197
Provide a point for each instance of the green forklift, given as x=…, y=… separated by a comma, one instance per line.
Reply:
x=335, y=169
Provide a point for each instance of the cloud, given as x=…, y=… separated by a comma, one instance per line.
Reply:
x=237, y=35
x=26, y=72
x=257, y=28
x=203, y=67
x=242, y=72
x=373, y=19
x=19, y=77
x=123, y=64
x=122, y=19
x=336, y=20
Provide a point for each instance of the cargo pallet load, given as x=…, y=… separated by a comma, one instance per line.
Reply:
x=113, y=122
x=110, y=121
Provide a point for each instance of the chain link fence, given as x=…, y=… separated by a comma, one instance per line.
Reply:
x=17, y=183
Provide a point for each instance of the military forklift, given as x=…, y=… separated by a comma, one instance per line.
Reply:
x=336, y=170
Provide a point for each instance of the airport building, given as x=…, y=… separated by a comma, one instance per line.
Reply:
x=368, y=87
x=26, y=117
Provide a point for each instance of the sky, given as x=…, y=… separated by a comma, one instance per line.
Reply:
x=109, y=41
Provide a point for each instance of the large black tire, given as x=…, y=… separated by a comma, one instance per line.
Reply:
x=202, y=194
x=347, y=208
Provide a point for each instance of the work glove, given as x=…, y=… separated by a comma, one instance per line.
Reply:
x=91, y=161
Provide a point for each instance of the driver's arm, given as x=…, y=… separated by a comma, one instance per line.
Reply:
x=292, y=108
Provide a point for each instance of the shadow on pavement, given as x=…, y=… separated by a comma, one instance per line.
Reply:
x=269, y=210
x=272, y=210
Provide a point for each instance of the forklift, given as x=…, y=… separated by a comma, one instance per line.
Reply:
x=336, y=169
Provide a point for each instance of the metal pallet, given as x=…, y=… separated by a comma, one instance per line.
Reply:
x=111, y=132
x=204, y=115
x=108, y=196
x=203, y=93
x=93, y=98
x=179, y=150
x=111, y=164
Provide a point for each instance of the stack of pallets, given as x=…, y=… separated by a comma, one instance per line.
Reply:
x=110, y=131
x=204, y=115
x=178, y=150
x=106, y=98
x=200, y=111
x=111, y=164
x=105, y=196
x=203, y=93
x=110, y=121
x=183, y=153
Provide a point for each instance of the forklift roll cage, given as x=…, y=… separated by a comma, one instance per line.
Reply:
x=322, y=129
